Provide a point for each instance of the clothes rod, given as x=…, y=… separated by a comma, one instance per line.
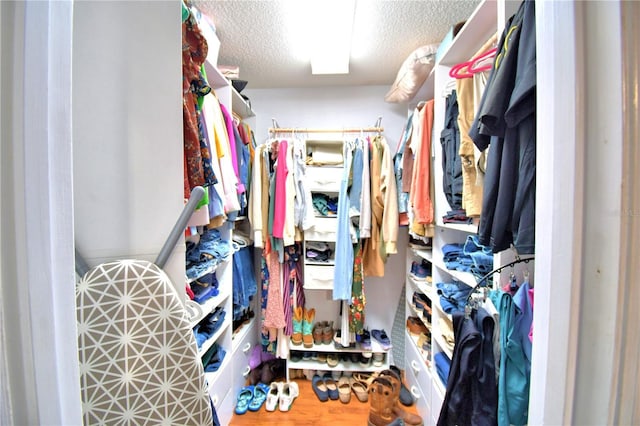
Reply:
x=313, y=130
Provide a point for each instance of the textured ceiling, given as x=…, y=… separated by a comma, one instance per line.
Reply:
x=254, y=37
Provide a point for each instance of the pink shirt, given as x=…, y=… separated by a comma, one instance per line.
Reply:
x=280, y=202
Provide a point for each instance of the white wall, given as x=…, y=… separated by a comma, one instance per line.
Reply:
x=127, y=134
x=37, y=330
x=326, y=107
x=341, y=107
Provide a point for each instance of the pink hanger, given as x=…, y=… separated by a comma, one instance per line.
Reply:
x=489, y=54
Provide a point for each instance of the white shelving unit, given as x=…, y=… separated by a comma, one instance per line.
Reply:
x=225, y=383
x=487, y=19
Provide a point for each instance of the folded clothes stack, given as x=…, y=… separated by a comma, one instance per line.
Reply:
x=481, y=256
x=212, y=359
x=457, y=216
x=453, y=296
x=209, y=325
x=204, y=288
x=208, y=252
x=324, y=205
x=318, y=251
x=443, y=365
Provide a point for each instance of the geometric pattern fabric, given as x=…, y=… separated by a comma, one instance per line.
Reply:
x=139, y=362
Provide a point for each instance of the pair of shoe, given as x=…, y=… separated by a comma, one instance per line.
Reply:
x=421, y=270
x=416, y=326
x=281, y=395
x=381, y=337
x=323, y=332
x=325, y=387
x=385, y=409
x=268, y=371
x=251, y=398
x=378, y=359
x=365, y=340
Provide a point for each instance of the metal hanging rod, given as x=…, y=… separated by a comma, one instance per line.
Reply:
x=317, y=130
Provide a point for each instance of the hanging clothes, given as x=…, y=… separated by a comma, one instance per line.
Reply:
x=471, y=394
x=516, y=314
x=384, y=210
x=471, y=192
x=451, y=165
x=420, y=197
x=506, y=120
x=343, y=270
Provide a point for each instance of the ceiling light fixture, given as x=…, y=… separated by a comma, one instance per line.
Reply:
x=330, y=37
x=321, y=32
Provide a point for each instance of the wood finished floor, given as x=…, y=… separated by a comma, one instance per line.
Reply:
x=307, y=410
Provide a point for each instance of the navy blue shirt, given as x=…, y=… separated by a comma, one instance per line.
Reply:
x=506, y=121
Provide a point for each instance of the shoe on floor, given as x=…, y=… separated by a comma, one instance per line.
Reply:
x=260, y=392
x=273, y=397
x=332, y=387
x=344, y=390
x=245, y=396
x=320, y=388
x=288, y=393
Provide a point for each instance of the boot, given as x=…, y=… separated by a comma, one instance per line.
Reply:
x=397, y=410
x=307, y=327
x=317, y=332
x=296, y=337
x=382, y=402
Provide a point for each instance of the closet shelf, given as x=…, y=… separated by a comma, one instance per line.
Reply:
x=209, y=305
x=211, y=269
x=342, y=365
x=439, y=386
x=242, y=332
x=442, y=344
x=212, y=377
x=318, y=262
x=239, y=105
x=465, y=277
x=425, y=355
x=375, y=347
x=426, y=254
x=421, y=285
x=210, y=341
x=441, y=312
x=480, y=26
x=420, y=315
x=471, y=228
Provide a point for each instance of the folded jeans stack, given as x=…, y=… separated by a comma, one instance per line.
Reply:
x=204, y=288
x=209, y=325
x=481, y=256
x=212, y=359
x=208, y=252
x=453, y=296
x=455, y=259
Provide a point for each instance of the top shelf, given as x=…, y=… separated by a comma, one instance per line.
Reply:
x=480, y=26
x=239, y=105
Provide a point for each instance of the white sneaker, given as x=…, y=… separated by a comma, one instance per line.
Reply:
x=288, y=393
x=273, y=397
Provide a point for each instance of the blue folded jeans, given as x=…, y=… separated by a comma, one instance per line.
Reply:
x=481, y=256
x=453, y=296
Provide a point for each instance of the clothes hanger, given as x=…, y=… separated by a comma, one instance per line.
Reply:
x=475, y=65
x=461, y=70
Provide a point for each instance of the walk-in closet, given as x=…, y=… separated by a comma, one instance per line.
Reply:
x=319, y=212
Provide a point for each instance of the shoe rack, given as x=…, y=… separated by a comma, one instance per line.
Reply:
x=325, y=180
